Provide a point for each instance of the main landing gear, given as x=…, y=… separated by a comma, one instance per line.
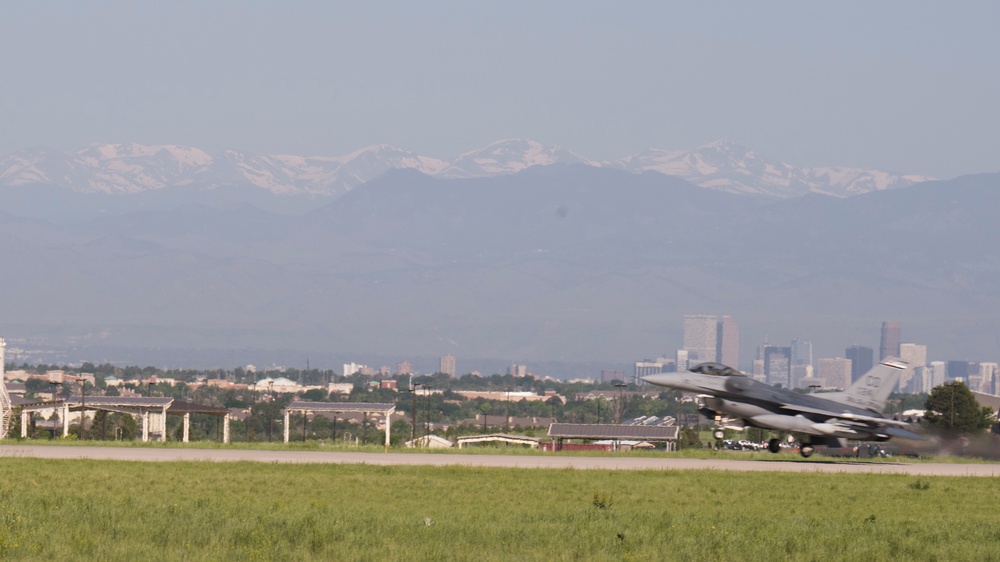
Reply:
x=718, y=434
x=806, y=449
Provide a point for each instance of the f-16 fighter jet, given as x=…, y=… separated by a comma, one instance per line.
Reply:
x=828, y=418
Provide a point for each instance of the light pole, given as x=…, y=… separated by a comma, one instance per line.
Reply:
x=413, y=414
x=270, y=409
x=506, y=423
x=253, y=417
x=55, y=385
x=621, y=400
x=427, y=402
x=83, y=408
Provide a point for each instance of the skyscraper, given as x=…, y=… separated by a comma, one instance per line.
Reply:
x=835, y=372
x=448, y=365
x=862, y=360
x=700, y=338
x=916, y=358
x=892, y=334
x=778, y=365
x=802, y=352
x=728, y=342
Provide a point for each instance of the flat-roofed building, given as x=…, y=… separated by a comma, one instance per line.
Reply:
x=835, y=371
x=700, y=337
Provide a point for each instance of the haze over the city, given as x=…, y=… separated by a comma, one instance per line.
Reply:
x=226, y=176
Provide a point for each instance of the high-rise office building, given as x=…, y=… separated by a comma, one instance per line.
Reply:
x=961, y=370
x=802, y=352
x=778, y=365
x=757, y=372
x=448, y=365
x=682, y=362
x=404, y=368
x=988, y=374
x=892, y=336
x=835, y=372
x=728, y=342
x=700, y=338
x=916, y=358
x=938, y=374
x=862, y=360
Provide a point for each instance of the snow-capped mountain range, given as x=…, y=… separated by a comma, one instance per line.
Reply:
x=134, y=168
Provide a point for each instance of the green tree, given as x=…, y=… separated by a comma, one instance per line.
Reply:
x=952, y=408
x=689, y=438
x=129, y=427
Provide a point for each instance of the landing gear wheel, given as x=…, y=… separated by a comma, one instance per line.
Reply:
x=719, y=434
x=774, y=445
x=807, y=450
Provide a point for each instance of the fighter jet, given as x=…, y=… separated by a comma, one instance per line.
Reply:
x=828, y=418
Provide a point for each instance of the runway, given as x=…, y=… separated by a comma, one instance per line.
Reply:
x=502, y=461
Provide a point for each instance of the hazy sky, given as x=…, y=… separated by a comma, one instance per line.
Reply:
x=908, y=86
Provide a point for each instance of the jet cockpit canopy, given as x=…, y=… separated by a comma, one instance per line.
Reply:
x=717, y=369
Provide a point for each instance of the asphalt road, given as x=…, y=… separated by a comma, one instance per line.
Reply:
x=506, y=461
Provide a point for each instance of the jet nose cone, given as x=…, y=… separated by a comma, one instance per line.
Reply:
x=661, y=379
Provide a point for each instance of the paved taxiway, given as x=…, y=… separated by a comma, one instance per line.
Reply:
x=508, y=461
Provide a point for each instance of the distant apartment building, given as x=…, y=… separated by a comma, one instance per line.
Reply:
x=404, y=368
x=447, y=365
x=915, y=357
x=835, y=372
x=862, y=360
x=728, y=342
x=354, y=369
x=937, y=375
x=892, y=337
x=516, y=370
x=802, y=376
x=608, y=375
x=644, y=368
x=701, y=338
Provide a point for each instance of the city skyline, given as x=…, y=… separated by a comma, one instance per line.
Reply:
x=795, y=366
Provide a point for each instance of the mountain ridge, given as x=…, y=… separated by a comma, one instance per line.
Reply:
x=556, y=262
x=131, y=168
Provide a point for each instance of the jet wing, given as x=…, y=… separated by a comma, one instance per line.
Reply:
x=873, y=420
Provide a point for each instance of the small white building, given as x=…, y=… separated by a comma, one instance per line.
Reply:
x=430, y=442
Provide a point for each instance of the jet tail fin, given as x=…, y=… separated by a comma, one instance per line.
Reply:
x=873, y=388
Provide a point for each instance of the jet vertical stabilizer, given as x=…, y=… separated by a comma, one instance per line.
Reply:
x=872, y=389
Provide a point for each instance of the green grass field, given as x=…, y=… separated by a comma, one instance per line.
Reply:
x=95, y=510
